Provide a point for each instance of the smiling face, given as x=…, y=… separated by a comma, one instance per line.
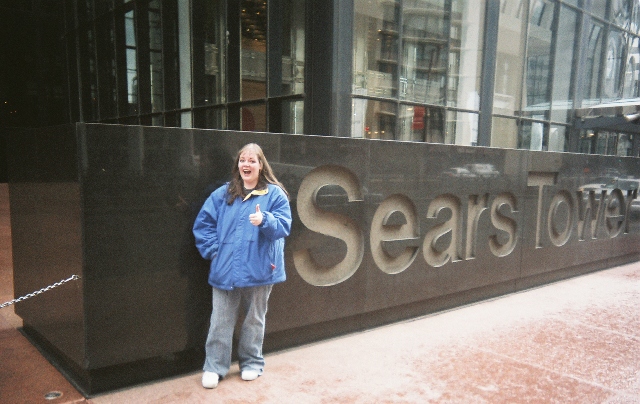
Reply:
x=249, y=167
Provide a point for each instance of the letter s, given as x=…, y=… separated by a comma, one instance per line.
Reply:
x=330, y=224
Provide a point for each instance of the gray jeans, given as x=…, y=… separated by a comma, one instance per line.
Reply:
x=226, y=309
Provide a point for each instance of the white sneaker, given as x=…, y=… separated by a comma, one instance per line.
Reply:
x=249, y=375
x=210, y=380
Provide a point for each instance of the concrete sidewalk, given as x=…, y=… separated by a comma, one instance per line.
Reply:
x=575, y=341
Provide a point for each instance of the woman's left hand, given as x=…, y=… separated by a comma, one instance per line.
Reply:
x=256, y=218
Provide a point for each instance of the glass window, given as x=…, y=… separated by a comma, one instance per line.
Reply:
x=509, y=60
x=424, y=51
x=592, y=66
x=605, y=143
x=185, y=120
x=557, y=138
x=465, y=54
x=621, y=13
x=209, y=39
x=632, y=70
x=157, y=120
x=375, y=47
x=293, y=41
x=412, y=123
x=533, y=136
x=635, y=18
x=563, y=67
x=599, y=8
x=210, y=118
x=614, y=64
x=184, y=60
x=253, y=49
x=254, y=118
x=462, y=128
x=374, y=119
x=132, y=65
x=422, y=124
x=625, y=145
x=155, y=57
x=504, y=133
x=586, y=142
x=536, y=95
x=293, y=117
x=105, y=46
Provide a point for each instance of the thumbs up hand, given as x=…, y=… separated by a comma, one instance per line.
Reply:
x=256, y=218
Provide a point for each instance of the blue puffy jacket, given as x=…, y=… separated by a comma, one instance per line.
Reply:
x=242, y=254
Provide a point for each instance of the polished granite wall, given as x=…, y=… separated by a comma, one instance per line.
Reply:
x=382, y=231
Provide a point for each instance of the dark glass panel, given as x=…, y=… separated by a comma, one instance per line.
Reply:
x=253, y=29
x=155, y=57
x=254, y=118
x=293, y=47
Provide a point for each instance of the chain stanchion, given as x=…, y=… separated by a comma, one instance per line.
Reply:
x=37, y=292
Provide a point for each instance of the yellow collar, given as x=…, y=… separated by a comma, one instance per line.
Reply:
x=256, y=192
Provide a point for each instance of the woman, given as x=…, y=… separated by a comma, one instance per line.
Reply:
x=241, y=229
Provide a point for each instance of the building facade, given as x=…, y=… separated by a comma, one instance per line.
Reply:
x=513, y=73
x=509, y=74
x=468, y=150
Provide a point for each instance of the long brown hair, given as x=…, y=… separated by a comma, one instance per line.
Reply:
x=266, y=176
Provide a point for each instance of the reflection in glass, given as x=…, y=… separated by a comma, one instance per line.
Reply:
x=253, y=49
x=254, y=118
x=635, y=19
x=509, y=66
x=375, y=48
x=615, y=57
x=462, y=128
x=621, y=13
x=425, y=51
x=214, y=37
x=184, y=60
x=593, y=63
x=92, y=82
x=533, y=136
x=293, y=39
x=538, y=54
x=632, y=73
x=293, y=117
x=210, y=118
x=412, y=123
x=557, y=138
x=465, y=54
x=157, y=120
x=605, y=143
x=625, y=145
x=504, y=133
x=586, y=142
x=373, y=119
x=599, y=8
x=422, y=124
x=155, y=57
x=132, y=67
x=563, y=68
x=107, y=68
